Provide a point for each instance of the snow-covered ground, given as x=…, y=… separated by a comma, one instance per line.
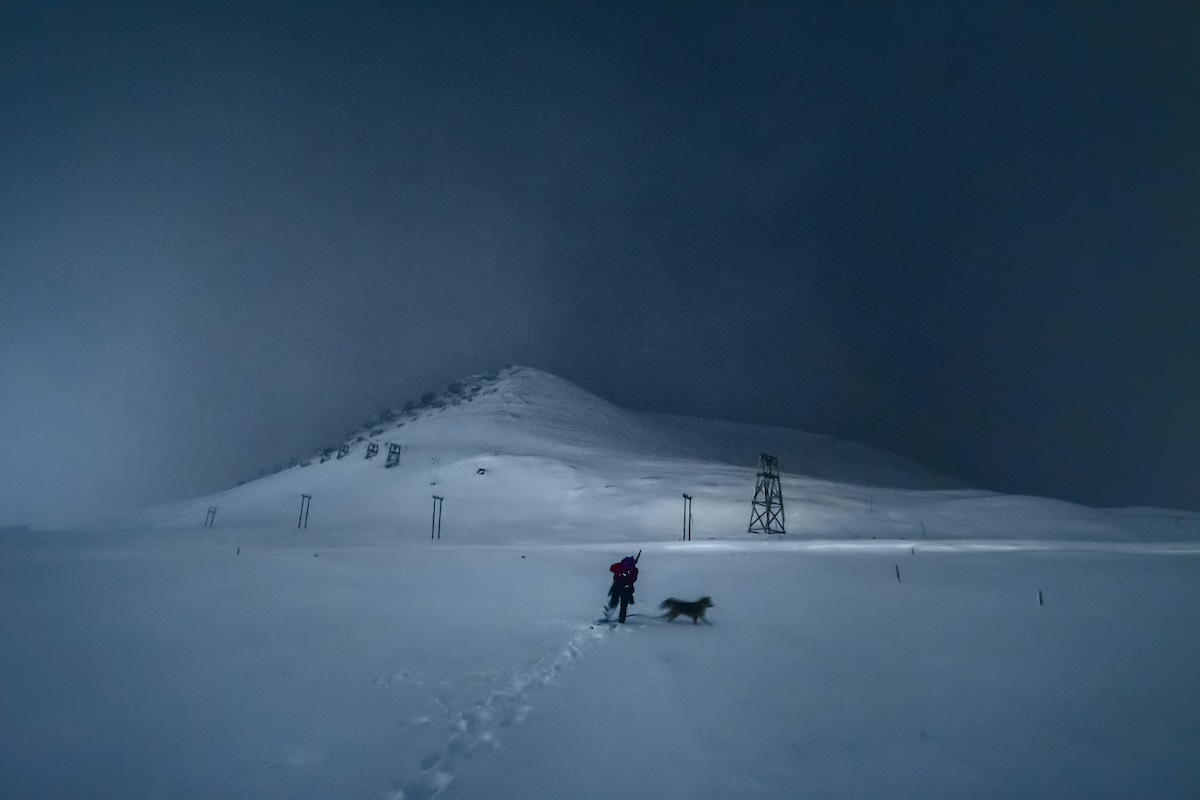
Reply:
x=561, y=465
x=891, y=645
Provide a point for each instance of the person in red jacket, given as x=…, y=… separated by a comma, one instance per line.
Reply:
x=625, y=574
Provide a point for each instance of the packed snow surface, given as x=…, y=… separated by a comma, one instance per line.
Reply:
x=908, y=637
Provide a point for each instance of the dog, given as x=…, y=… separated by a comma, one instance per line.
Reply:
x=693, y=609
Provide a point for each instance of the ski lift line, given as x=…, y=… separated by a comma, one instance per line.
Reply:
x=501, y=503
x=551, y=512
x=583, y=524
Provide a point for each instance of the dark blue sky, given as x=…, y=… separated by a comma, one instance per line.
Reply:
x=968, y=233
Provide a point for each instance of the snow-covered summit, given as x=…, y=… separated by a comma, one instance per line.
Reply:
x=523, y=410
x=527, y=453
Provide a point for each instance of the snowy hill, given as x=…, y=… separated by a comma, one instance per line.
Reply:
x=528, y=455
x=359, y=659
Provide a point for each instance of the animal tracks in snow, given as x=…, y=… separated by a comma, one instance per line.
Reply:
x=506, y=704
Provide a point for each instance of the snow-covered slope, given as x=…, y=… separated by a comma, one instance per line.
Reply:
x=523, y=453
x=358, y=659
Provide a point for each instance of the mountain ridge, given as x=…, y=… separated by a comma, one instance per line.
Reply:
x=523, y=450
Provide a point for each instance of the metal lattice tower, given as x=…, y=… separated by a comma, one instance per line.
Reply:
x=766, y=510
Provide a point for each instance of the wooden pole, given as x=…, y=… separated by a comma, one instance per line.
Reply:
x=435, y=522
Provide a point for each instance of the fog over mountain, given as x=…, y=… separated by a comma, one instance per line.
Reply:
x=963, y=233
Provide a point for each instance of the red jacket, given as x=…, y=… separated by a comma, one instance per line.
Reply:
x=624, y=572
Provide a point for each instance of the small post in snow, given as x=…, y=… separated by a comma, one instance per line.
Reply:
x=897, y=573
x=305, y=504
x=211, y=517
x=687, y=517
x=1040, y=603
x=436, y=521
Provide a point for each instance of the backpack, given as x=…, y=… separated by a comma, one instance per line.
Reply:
x=625, y=571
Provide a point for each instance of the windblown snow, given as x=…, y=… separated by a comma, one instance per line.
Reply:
x=907, y=637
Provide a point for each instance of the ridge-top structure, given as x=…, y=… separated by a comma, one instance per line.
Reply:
x=766, y=510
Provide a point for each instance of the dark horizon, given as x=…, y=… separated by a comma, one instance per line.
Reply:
x=963, y=234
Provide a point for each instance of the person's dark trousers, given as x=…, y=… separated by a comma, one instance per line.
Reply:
x=626, y=593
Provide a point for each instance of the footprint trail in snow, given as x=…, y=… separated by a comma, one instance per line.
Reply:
x=479, y=726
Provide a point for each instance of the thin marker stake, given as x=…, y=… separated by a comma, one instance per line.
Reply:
x=898, y=573
x=435, y=522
